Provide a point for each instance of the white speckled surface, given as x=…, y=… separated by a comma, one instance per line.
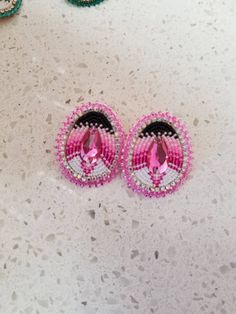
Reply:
x=108, y=251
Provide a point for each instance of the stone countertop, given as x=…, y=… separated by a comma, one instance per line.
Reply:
x=69, y=250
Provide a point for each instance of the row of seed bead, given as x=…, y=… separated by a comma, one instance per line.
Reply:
x=73, y=142
x=108, y=147
x=10, y=7
x=73, y=149
x=175, y=153
x=141, y=158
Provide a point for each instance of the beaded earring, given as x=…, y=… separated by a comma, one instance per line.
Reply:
x=9, y=7
x=89, y=145
x=157, y=155
x=85, y=3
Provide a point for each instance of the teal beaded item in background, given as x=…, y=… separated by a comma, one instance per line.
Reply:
x=12, y=7
x=85, y=3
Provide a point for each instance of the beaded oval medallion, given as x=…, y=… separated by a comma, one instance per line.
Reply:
x=85, y=3
x=89, y=145
x=157, y=155
x=9, y=7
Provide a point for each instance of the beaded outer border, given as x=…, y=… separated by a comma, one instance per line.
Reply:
x=11, y=11
x=84, y=3
x=64, y=131
x=185, y=143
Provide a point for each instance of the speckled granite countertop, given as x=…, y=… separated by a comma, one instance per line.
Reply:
x=108, y=251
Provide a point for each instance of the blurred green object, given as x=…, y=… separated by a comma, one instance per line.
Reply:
x=85, y=3
x=11, y=7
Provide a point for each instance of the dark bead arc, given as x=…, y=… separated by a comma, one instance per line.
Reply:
x=159, y=127
x=94, y=117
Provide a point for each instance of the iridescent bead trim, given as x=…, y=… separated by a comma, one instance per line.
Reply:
x=89, y=145
x=85, y=3
x=11, y=7
x=157, y=155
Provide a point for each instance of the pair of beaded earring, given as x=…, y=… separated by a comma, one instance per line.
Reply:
x=155, y=157
x=9, y=7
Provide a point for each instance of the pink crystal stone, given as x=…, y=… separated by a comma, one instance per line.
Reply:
x=91, y=146
x=157, y=156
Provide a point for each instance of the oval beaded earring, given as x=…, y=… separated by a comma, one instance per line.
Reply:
x=157, y=155
x=85, y=3
x=89, y=145
x=9, y=7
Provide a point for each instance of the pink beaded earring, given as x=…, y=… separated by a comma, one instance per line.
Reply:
x=157, y=155
x=89, y=145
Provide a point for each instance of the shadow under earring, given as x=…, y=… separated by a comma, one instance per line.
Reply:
x=9, y=7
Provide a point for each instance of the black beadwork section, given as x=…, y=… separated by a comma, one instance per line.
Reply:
x=158, y=127
x=93, y=117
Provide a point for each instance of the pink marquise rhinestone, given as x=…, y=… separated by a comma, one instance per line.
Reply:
x=91, y=146
x=157, y=156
